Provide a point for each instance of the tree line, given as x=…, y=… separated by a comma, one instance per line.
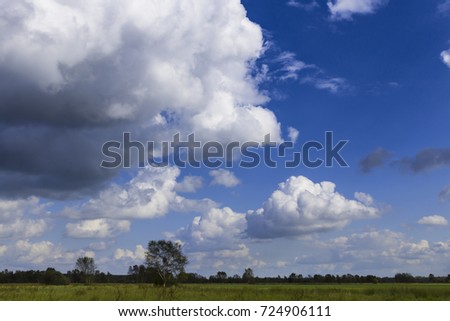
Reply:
x=165, y=265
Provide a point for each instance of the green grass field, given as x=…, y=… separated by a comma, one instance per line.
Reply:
x=226, y=292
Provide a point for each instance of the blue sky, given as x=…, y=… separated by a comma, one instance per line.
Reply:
x=75, y=75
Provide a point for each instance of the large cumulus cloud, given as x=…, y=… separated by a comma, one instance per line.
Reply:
x=74, y=74
x=300, y=206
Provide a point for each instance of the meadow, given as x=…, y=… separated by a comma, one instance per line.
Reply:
x=225, y=292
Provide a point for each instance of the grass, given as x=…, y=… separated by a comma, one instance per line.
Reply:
x=226, y=292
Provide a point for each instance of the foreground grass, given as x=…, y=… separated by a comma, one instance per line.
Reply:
x=226, y=292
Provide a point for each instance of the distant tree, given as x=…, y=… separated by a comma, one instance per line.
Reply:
x=221, y=276
x=166, y=259
x=236, y=278
x=248, y=275
x=87, y=267
x=404, y=278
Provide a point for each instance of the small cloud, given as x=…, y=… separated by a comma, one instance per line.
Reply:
x=333, y=85
x=124, y=254
x=308, y=6
x=97, y=228
x=444, y=195
x=374, y=159
x=345, y=9
x=293, y=134
x=224, y=177
x=433, y=220
x=445, y=56
x=290, y=66
x=281, y=264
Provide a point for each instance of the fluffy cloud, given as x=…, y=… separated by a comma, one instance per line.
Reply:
x=218, y=229
x=385, y=251
x=106, y=67
x=433, y=220
x=23, y=228
x=301, y=207
x=97, y=228
x=147, y=195
x=11, y=209
x=445, y=56
x=215, y=240
x=18, y=218
x=150, y=193
x=375, y=159
x=223, y=177
x=43, y=254
x=137, y=255
x=345, y=9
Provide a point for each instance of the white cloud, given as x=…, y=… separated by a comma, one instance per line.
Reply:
x=333, y=85
x=147, y=195
x=378, y=252
x=23, y=228
x=345, y=9
x=97, y=228
x=3, y=249
x=445, y=56
x=216, y=239
x=11, y=210
x=150, y=193
x=189, y=184
x=223, y=177
x=293, y=134
x=44, y=254
x=100, y=246
x=301, y=207
x=308, y=6
x=138, y=255
x=433, y=220
x=18, y=218
x=217, y=229
x=195, y=65
x=290, y=66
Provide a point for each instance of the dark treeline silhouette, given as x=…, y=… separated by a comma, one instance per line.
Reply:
x=143, y=274
x=53, y=277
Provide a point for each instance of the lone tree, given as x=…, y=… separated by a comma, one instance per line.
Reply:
x=87, y=267
x=167, y=259
x=248, y=275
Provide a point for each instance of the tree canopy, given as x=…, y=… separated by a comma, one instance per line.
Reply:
x=167, y=259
